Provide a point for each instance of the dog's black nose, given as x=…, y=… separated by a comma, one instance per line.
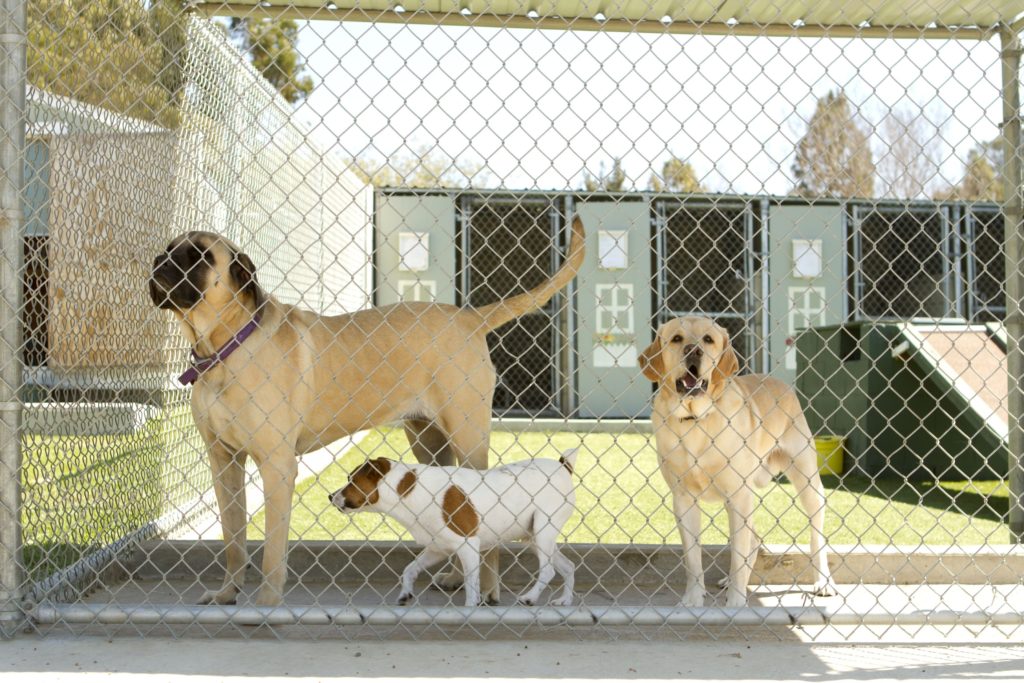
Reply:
x=693, y=350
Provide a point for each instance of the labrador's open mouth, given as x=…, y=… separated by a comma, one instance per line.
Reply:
x=690, y=384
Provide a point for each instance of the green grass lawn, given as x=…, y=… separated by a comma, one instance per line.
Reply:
x=622, y=498
x=80, y=493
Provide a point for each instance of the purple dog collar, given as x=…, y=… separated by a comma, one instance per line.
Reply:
x=201, y=365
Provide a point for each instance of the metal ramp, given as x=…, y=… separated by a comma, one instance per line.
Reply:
x=968, y=364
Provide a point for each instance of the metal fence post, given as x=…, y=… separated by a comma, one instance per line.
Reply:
x=12, y=108
x=1012, y=209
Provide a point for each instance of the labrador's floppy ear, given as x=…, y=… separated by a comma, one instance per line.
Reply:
x=728, y=363
x=726, y=366
x=651, y=363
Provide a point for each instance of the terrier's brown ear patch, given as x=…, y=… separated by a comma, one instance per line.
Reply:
x=363, y=482
x=458, y=512
x=406, y=484
x=565, y=463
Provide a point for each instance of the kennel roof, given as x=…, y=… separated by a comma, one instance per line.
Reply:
x=969, y=19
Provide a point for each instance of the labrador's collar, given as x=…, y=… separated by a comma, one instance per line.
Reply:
x=201, y=364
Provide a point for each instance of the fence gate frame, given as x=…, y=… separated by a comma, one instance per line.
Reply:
x=979, y=306
x=951, y=284
x=755, y=265
x=13, y=44
x=556, y=208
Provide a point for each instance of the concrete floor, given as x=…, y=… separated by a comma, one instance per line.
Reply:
x=944, y=656
x=385, y=648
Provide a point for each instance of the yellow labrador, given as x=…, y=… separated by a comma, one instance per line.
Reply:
x=273, y=381
x=720, y=437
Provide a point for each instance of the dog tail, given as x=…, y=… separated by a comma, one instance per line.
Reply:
x=497, y=314
x=568, y=460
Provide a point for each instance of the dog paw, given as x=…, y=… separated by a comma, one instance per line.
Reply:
x=527, y=600
x=449, y=583
x=224, y=596
x=693, y=597
x=723, y=582
x=736, y=599
x=405, y=598
x=269, y=599
x=562, y=602
x=825, y=589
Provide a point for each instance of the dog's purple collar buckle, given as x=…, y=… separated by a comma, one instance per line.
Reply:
x=201, y=365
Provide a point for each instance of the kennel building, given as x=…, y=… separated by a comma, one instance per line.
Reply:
x=766, y=268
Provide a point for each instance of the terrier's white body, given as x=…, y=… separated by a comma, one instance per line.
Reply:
x=463, y=512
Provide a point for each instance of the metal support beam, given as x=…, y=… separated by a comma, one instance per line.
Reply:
x=1012, y=217
x=509, y=21
x=12, y=142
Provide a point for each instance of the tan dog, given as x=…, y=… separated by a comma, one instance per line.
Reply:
x=300, y=381
x=720, y=437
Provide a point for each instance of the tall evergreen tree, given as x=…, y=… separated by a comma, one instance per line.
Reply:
x=833, y=159
x=271, y=47
x=122, y=55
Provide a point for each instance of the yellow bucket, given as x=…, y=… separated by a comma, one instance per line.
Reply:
x=830, y=454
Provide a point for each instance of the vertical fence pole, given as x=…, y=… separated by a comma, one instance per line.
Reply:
x=1012, y=209
x=12, y=138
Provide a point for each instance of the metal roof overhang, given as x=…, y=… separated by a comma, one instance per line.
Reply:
x=910, y=19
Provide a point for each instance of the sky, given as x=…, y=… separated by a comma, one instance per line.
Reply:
x=539, y=108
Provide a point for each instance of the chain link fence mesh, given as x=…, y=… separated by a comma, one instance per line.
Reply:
x=836, y=204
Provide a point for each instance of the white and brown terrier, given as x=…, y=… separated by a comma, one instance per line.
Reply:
x=463, y=512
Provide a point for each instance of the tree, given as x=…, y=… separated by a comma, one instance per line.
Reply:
x=614, y=181
x=676, y=176
x=270, y=46
x=833, y=158
x=423, y=168
x=122, y=55
x=908, y=164
x=982, y=181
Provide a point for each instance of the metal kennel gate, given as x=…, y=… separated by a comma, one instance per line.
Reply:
x=903, y=263
x=709, y=262
x=986, y=263
x=508, y=245
x=890, y=310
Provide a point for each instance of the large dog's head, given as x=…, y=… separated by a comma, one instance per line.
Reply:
x=202, y=273
x=691, y=357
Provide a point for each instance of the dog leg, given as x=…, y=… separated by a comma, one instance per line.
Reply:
x=429, y=443
x=545, y=538
x=431, y=446
x=469, y=555
x=278, y=472
x=467, y=421
x=425, y=560
x=742, y=551
x=567, y=571
x=228, y=470
x=758, y=543
x=803, y=474
x=688, y=519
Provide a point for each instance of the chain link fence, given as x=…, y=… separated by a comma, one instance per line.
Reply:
x=268, y=267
